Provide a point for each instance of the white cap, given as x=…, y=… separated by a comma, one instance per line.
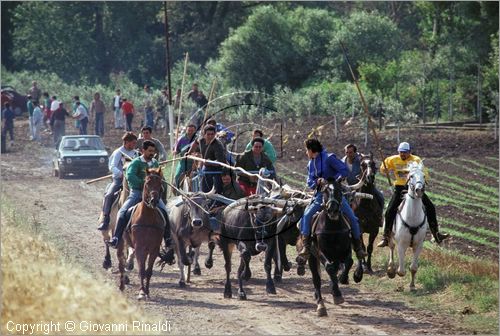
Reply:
x=404, y=147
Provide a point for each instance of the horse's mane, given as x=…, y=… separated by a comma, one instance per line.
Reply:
x=156, y=171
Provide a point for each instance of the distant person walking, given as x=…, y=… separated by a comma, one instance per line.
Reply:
x=59, y=123
x=117, y=105
x=37, y=122
x=8, y=122
x=97, y=109
x=128, y=112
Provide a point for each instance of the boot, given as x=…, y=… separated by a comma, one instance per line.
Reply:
x=358, y=248
x=104, y=224
x=168, y=256
x=303, y=255
x=386, y=238
x=438, y=236
x=121, y=223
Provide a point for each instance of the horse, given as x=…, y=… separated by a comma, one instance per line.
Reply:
x=190, y=228
x=107, y=234
x=331, y=244
x=411, y=224
x=368, y=211
x=147, y=226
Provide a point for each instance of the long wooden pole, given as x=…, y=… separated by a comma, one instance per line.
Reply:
x=212, y=89
x=370, y=121
x=179, y=115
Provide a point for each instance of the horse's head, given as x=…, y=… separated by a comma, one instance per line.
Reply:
x=332, y=198
x=196, y=205
x=416, y=180
x=368, y=168
x=152, y=187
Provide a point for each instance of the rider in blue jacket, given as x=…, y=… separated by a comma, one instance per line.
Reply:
x=323, y=165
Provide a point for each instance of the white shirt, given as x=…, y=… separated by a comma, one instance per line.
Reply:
x=55, y=105
x=117, y=101
x=117, y=159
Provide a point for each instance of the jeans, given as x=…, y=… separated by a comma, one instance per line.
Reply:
x=83, y=126
x=315, y=206
x=31, y=132
x=134, y=198
x=149, y=120
x=109, y=198
x=59, y=130
x=129, y=118
x=99, y=124
x=118, y=118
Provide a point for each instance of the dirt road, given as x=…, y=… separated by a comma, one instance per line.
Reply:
x=67, y=211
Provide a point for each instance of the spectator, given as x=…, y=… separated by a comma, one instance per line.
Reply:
x=82, y=115
x=193, y=94
x=58, y=122
x=37, y=122
x=97, y=106
x=117, y=104
x=128, y=112
x=148, y=107
x=46, y=109
x=54, y=105
x=35, y=91
x=30, y=107
x=8, y=123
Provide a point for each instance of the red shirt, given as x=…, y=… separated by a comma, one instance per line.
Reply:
x=127, y=107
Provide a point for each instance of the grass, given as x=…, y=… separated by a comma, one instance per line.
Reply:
x=461, y=287
x=463, y=203
x=471, y=185
x=476, y=171
x=40, y=285
x=479, y=165
x=457, y=189
x=478, y=230
x=470, y=236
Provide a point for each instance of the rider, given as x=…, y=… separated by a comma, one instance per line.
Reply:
x=322, y=166
x=135, y=174
x=398, y=165
x=146, y=134
x=352, y=160
x=116, y=161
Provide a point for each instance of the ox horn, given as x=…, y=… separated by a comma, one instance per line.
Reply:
x=210, y=193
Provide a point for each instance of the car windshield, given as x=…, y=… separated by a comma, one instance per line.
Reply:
x=83, y=144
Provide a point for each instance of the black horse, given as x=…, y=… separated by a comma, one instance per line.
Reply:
x=368, y=211
x=331, y=244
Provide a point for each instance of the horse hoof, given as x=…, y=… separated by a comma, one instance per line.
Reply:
x=209, y=264
x=357, y=277
x=141, y=296
x=197, y=271
x=106, y=264
x=401, y=274
x=271, y=290
x=187, y=261
x=287, y=266
x=391, y=273
x=344, y=280
x=277, y=278
x=228, y=294
x=321, y=311
x=182, y=284
x=301, y=270
x=242, y=296
x=122, y=286
x=338, y=300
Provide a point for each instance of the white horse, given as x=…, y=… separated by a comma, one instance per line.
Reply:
x=411, y=224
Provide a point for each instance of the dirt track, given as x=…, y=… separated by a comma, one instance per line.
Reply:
x=67, y=210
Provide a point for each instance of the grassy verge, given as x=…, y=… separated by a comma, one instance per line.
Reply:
x=40, y=285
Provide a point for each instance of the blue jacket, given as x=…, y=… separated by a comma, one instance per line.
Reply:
x=326, y=166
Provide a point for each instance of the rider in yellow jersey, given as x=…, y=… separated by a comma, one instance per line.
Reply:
x=398, y=166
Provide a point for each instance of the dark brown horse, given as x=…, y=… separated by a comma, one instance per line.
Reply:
x=146, y=233
x=368, y=211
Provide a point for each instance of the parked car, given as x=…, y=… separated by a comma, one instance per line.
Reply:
x=17, y=101
x=79, y=155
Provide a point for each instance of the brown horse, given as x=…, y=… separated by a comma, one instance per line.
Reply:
x=107, y=234
x=146, y=232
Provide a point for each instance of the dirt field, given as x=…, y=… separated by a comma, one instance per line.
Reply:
x=67, y=211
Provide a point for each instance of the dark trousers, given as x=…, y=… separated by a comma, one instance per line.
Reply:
x=9, y=128
x=210, y=179
x=99, y=124
x=83, y=126
x=129, y=118
x=396, y=199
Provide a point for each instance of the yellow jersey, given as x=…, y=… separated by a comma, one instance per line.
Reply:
x=398, y=168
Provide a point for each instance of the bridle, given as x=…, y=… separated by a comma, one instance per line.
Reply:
x=151, y=197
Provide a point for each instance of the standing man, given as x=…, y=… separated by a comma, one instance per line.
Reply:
x=252, y=161
x=210, y=149
x=193, y=94
x=268, y=146
x=146, y=133
x=97, y=109
x=37, y=122
x=8, y=122
x=398, y=165
x=31, y=108
x=35, y=91
x=46, y=110
x=148, y=107
x=136, y=174
x=58, y=123
x=82, y=115
x=117, y=104
x=116, y=161
x=324, y=166
x=54, y=105
x=128, y=112
x=181, y=147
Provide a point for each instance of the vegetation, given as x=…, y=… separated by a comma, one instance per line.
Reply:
x=416, y=60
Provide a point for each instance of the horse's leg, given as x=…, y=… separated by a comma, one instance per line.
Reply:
x=149, y=270
x=107, y=258
x=391, y=269
x=271, y=249
x=344, y=276
x=369, y=250
x=209, y=261
x=130, y=258
x=314, y=266
x=242, y=271
x=414, y=264
x=332, y=269
x=140, y=255
x=121, y=265
x=197, y=268
x=226, y=251
x=401, y=256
